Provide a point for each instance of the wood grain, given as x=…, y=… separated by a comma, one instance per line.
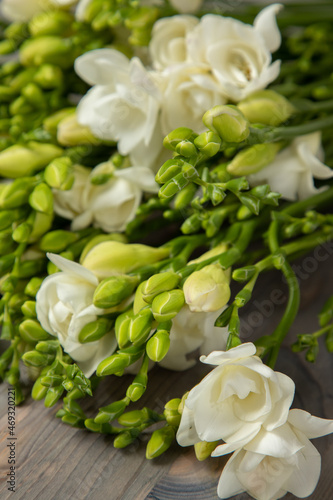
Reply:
x=57, y=462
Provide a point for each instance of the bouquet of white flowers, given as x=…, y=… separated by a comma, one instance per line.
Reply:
x=153, y=155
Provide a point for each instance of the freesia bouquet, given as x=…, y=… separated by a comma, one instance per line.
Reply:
x=156, y=157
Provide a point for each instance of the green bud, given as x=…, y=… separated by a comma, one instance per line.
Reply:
x=203, y=449
x=253, y=159
x=122, y=328
x=58, y=173
x=51, y=122
x=37, y=359
x=159, y=283
x=171, y=412
x=7, y=217
x=266, y=107
x=50, y=23
x=17, y=193
x=111, y=412
x=53, y=395
x=134, y=418
x=112, y=291
x=16, y=301
x=208, y=143
x=124, y=439
x=140, y=326
x=47, y=49
x=242, y=298
x=187, y=149
x=31, y=331
x=139, y=302
x=22, y=233
x=33, y=286
x=9, y=284
x=39, y=390
x=329, y=340
x=52, y=380
x=48, y=347
x=22, y=79
x=7, y=245
x=135, y=391
x=71, y=133
x=7, y=47
x=29, y=268
x=29, y=309
x=166, y=305
x=185, y=196
x=49, y=77
x=34, y=96
x=158, y=345
x=94, y=330
x=7, y=94
x=20, y=161
x=118, y=362
x=42, y=223
x=216, y=194
x=41, y=199
x=57, y=241
x=6, y=263
x=169, y=170
x=192, y=224
x=173, y=186
x=160, y=441
x=244, y=273
x=100, y=428
x=13, y=376
x=228, y=122
x=178, y=136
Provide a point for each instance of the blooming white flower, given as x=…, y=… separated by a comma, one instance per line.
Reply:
x=207, y=290
x=168, y=43
x=123, y=104
x=191, y=331
x=23, y=10
x=293, y=169
x=186, y=6
x=276, y=461
x=64, y=305
x=109, y=206
x=238, y=55
x=235, y=400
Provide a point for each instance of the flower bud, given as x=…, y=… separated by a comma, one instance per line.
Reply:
x=33, y=286
x=53, y=395
x=122, y=328
x=228, y=122
x=31, y=331
x=135, y=391
x=158, y=283
x=177, y=136
x=58, y=174
x=19, y=161
x=95, y=330
x=208, y=143
x=113, y=257
x=51, y=122
x=140, y=326
x=124, y=439
x=21, y=233
x=167, y=305
x=16, y=193
x=112, y=291
x=50, y=23
x=57, y=241
x=244, y=273
x=214, y=252
x=49, y=77
x=173, y=186
x=186, y=149
x=111, y=412
x=34, y=358
x=185, y=196
x=169, y=170
x=255, y=158
x=41, y=199
x=47, y=49
x=139, y=302
x=160, y=441
x=171, y=412
x=134, y=418
x=203, y=449
x=266, y=107
x=29, y=309
x=39, y=390
x=207, y=290
x=118, y=362
x=71, y=133
x=48, y=347
x=41, y=225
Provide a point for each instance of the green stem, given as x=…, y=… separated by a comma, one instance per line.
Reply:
x=316, y=201
x=281, y=133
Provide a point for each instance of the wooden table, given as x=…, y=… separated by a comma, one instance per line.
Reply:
x=61, y=463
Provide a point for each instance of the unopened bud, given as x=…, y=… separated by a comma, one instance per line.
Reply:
x=39, y=390
x=50, y=23
x=228, y=122
x=71, y=133
x=112, y=291
x=169, y=170
x=118, y=362
x=207, y=290
x=171, y=412
x=172, y=187
x=266, y=107
x=122, y=328
x=37, y=359
x=49, y=77
x=21, y=233
x=47, y=49
x=177, y=136
x=16, y=193
x=42, y=223
x=185, y=196
x=140, y=326
x=33, y=286
x=29, y=309
x=111, y=412
x=41, y=199
x=167, y=305
x=57, y=241
x=158, y=283
x=51, y=122
x=186, y=149
x=203, y=449
x=251, y=160
x=53, y=395
x=95, y=330
x=19, y=161
x=31, y=331
x=160, y=441
x=58, y=174
x=208, y=143
x=139, y=302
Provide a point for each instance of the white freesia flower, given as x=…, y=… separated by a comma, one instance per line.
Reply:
x=237, y=54
x=24, y=10
x=109, y=206
x=123, y=104
x=189, y=91
x=294, y=168
x=276, y=461
x=64, y=305
x=168, y=44
x=191, y=331
x=186, y=6
x=207, y=290
x=235, y=400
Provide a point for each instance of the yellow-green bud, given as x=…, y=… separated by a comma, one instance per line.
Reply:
x=208, y=143
x=53, y=395
x=21, y=233
x=6, y=94
x=177, y=136
x=171, y=412
x=51, y=122
x=58, y=174
x=160, y=441
x=47, y=49
x=266, y=107
x=203, y=449
x=111, y=412
x=167, y=305
x=114, y=257
x=34, y=95
x=50, y=23
x=173, y=186
x=140, y=326
x=122, y=328
x=255, y=158
x=158, y=283
x=95, y=330
x=219, y=249
x=22, y=79
x=16, y=193
x=29, y=309
x=57, y=241
x=208, y=289
x=42, y=223
x=41, y=199
x=185, y=196
x=228, y=122
x=116, y=363
x=158, y=345
x=112, y=291
x=71, y=133
x=31, y=331
x=124, y=439
x=48, y=347
x=169, y=170
x=39, y=390
x=139, y=302
x=52, y=380
x=28, y=268
x=37, y=359
x=49, y=77
x=20, y=161
x=33, y=286
x=134, y=418
x=186, y=148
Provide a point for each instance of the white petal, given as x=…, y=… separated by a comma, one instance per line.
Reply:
x=265, y=24
x=312, y=427
x=220, y=357
x=73, y=268
x=187, y=434
x=229, y=485
x=101, y=66
x=282, y=442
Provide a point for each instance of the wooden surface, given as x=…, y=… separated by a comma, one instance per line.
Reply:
x=61, y=463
